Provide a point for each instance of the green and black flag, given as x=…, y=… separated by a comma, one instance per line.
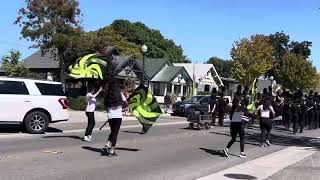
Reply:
x=144, y=106
x=89, y=66
x=253, y=97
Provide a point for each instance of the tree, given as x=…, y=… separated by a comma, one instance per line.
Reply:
x=222, y=66
x=49, y=24
x=97, y=41
x=297, y=72
x=12, y=66
x=302, y=48
x=251, y=58
x=158, y=46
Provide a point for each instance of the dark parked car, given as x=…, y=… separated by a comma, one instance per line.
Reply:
x=198, y=103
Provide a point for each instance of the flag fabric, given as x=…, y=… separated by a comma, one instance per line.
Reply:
x=252, y=101
x=144, y=106
x=89, y=66
x=275, y=88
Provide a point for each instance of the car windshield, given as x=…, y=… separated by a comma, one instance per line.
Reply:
x=195, y=98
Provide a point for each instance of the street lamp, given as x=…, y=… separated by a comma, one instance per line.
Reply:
x=144, y=50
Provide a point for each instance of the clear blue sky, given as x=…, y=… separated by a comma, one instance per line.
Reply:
x=204, y=28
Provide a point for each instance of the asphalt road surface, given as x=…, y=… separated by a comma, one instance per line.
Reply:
x=168, y=151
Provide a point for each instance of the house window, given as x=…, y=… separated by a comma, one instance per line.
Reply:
x=207, y=88
x=184, y=90
x=169, y=88
x=156, y=89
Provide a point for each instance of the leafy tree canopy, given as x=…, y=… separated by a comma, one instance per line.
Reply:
x=158, y=46
x=12, y=65
x=251, y=58
x=297, y=72
x=222, y=66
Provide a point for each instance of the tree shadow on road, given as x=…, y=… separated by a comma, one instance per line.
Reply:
x=253, y=137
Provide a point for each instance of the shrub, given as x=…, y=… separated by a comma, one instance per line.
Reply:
x=79, y=103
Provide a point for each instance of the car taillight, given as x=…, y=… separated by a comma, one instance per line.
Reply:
x=64, y=103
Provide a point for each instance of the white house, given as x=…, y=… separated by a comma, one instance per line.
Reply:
x=205, y=76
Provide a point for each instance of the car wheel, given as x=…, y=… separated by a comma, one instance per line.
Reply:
x=207, y=126
x=36, y=122
x=199, y=126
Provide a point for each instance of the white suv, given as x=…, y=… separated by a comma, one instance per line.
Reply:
x=32, y=103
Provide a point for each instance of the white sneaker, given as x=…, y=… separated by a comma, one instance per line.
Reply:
x=242, y=155
x=86, y=138
x=90, y=137
x=226, y=153
x=268, y=142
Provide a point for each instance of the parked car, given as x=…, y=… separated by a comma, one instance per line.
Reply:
x=181, y=108
x=32, y=103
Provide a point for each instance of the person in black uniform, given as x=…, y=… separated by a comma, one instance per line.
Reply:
x=303, y=110
x=222, y=106
x=316, y=111
x=213, y=106
x=310, y=110
x=296, y=110
x=286, y=111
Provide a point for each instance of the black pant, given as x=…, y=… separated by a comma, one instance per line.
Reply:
x=265, y=126
x=214, y=115
x=235, y=129
x=316, y=119
x=115, y=124
x=91, y=123
x=286, y=120
x=295, y=122
x=220, y=117
x=310, y=119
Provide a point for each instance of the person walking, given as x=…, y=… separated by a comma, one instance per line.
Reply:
x=265, y=111
x=212, y=107
x=91, y=107
x=296, y=111
x=166, y=102
x=310, y=110
x=221, y=109
x=113, y=102
x=286, y=111
x=236, y=128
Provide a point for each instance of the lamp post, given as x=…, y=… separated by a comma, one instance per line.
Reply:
x=144, y=50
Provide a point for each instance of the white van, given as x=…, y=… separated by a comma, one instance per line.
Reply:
x=32, y=103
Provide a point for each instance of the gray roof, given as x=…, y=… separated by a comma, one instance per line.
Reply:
x=153, y=66
x=122, y=59
x=167, y=74
x=37, y=61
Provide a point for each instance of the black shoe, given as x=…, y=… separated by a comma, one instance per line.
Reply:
x=226, y=153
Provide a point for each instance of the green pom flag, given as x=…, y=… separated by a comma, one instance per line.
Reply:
x=89, y=66
x=144, y=106
x=253, y=97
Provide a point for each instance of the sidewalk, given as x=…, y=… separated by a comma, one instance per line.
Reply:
x=308, y=169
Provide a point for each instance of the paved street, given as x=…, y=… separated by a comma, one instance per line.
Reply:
x=168, y=151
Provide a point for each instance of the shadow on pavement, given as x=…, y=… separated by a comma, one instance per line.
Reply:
x=132, y=132
x=98, y=150
x=72, y=137
x=9, y=128
x=216, y=152
x=239, y=176
x=246, y=142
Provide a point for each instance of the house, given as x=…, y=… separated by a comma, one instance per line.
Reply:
x=163, y=77
x=43, y=66
x=230, y=86
x=206, y=76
